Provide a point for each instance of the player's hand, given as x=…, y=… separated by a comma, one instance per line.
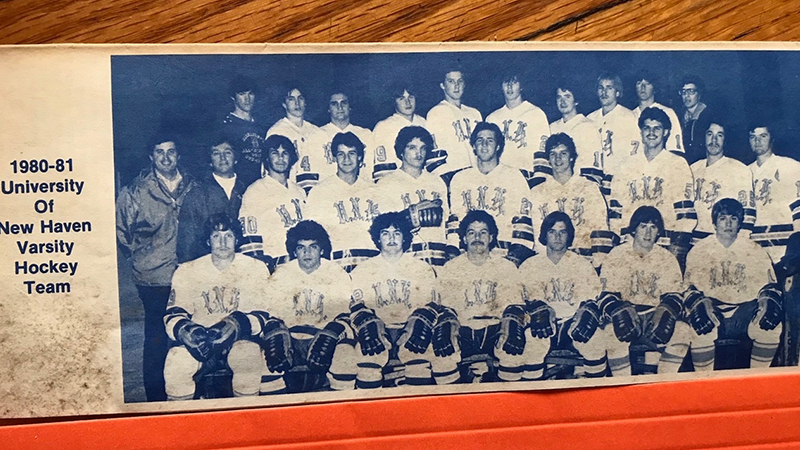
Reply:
x=585, y=322
x=666, y=315
x=770, y=307
x=700, y=312
x=370, y=330
x=229, y=330
x=445, y=334
x=512, y=330
x=418, y=332
x=543, y=319
x=195, y=338
x=323, y=346
x=622, y=315
x=277, y=345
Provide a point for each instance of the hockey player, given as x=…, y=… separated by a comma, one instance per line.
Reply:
x=524, y=127
x=478, y=285
x=495, y=188
x=691, y=93
x=273, y=204
x=147, y=231
x=307, y=138
x=451, y=124
x=731, y=277
x=243, y=131
x=646, y=93
x=385, y=131
x=395, y=309
x=642, y=283
x=413, y=184
x=657, y=178
x=619, y=135
x=560, y=289
x=583, y=132
x=220, y=191
x=339, y=109
x=776, y=185
x=312, y=294
x=578, y=197
x=718, y=176
x=346, y=204
x=216, y=313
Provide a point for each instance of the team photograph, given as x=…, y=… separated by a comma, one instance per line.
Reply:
x=333, y=222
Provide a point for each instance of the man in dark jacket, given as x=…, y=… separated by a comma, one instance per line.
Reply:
x=220, y=191
x=147, y=231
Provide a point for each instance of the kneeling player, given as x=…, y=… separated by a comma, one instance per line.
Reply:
x=642, y=282
x=731, y=277
x=560, y=288
x=393, y=311
x=216, y=314
x=479, y=285
x=311, y=294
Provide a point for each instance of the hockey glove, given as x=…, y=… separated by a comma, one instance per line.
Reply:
x=370, y=330
x=277, y=345
x=195, y=338
x=427, y=213
x=700, y=311
x=445, y=334
x=229, y=330
x=320, y=352
x=419, y=330
x=585, y=322
x=512, y=330
x=667, y=313
x=543, y=318
x=622, y=315
x=770, y=307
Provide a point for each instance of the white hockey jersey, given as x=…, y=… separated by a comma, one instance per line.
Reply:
x=451, y=128
x=394, y=288
x=563, y=286
x=268, y=211
x=585, y=135
x=620, y=137
x=726, y=178
x=641, y=279
x=309, y=141
x=384, y=134
x=675, y=140
x=525, y=129
x=479, y=294
x=330, y=130
x=776, y=185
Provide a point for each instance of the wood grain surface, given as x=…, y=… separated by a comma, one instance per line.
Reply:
x=282, y=21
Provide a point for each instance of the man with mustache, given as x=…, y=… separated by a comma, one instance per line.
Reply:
x=646, y=88
x=385, y=131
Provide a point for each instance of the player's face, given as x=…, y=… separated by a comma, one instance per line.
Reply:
x=689, y=95
x=760, y=140
x=715, y=139
x=415, y=153
x=339, y=107
x=486, y=146
x=477, y=238
x=557, y=237
x=295, y=103
x=511, y=90
x=223, y=244
x=644, y=90
x=279, y=160
x=406, y=105
x=565, y=102
x=222, y=159
x=653, y=133
x=244, y=100
x=165, y=157
x=453, y=85
x=607, y=93
x=391, y=241
x=727, y=226
x=308, y=253
x=347, y=159
x=560, y=159
x=646, y=235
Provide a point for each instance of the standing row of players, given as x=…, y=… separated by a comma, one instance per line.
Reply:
x=489, y=186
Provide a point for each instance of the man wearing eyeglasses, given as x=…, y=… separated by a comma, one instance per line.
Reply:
x=693, y=137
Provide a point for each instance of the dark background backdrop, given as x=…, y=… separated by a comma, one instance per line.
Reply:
x=188, y=93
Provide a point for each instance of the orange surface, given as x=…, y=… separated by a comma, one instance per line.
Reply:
x=743, y=413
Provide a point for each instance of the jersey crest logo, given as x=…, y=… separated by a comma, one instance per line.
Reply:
x=642, y=284
x=710, y=196
x=764, y=194
x=355, y=213
x=577, y=211
x=651, y=190
x=392, y=295
x=309, y=303
x=464, y=131
x=286, y=216
x=556, y=291
x=608, y=142
x=329, y=158
x=220, y=303
x=519, y=135
x=484, y=292
x=723, y=276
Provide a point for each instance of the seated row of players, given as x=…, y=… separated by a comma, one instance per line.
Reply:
x=311, y=325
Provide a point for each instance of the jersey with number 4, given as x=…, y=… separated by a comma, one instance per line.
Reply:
x=268, y=210
x=451, y=127
x=309, y=141
x=563, y=286
x=525, y=129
